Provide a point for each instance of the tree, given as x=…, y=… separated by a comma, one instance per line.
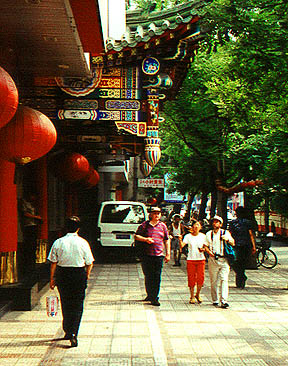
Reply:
x=233, y=102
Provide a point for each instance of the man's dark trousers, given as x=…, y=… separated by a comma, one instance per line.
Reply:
x=242, y=255
x=71, y=283
x=152, y=269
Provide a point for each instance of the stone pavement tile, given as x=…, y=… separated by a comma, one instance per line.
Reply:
x=140, y=315
x=121, y=345
x=29, y=362
x=139, y=329
x=95, y=362
x=73, y=362
x=141, y=361
x=209, y=361
x=241, y=347
x=187, y=362
x=181, y=346
x=177, y=329
x=202, y=347
x=141, y=346
x=120, y=362
x=8, y=361
x=101, y=328
x=100, y=346
x=221, y=347
x=122, y=329
x=279, y=346
x=225, y=361
x=254, y=362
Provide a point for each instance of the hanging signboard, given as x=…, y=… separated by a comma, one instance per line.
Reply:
x=151, y=183
x=172, y=197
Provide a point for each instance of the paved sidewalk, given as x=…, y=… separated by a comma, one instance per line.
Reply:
x=118, y=329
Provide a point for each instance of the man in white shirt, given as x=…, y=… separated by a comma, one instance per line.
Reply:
x=71, y=261
x=218, y=265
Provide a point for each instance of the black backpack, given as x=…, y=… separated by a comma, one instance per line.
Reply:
x=140, y=247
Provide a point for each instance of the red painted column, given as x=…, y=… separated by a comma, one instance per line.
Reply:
x=42, y=191
x=8, y=207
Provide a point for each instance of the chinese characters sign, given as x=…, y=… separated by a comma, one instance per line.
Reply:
x=151, y=183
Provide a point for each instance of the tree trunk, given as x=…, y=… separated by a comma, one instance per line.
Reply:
x=203, y=205
x=214, y=195
x=222, y=207
x=266, y=213
x=189, y=203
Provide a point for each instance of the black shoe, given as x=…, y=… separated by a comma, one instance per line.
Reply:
x=155, y=303
x=147, y=298
x=224, y=305
x=215, y=304
x=73, y=340
x=67, y=336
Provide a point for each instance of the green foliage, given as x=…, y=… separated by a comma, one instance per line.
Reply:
x=230, y=117
x=147, y=5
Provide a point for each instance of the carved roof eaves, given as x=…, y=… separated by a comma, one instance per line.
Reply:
x=141, y=27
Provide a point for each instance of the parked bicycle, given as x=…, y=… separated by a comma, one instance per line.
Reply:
x=264, y=255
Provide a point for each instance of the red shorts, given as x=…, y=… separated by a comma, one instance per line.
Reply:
x=195, y=272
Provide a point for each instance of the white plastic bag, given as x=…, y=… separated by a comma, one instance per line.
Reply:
x=52, y=303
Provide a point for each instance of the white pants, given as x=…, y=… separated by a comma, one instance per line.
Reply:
x=219, y=272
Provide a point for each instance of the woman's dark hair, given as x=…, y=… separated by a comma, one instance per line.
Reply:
x=73, y=223
x=193, y=222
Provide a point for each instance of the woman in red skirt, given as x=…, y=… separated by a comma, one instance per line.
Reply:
x=195, y=260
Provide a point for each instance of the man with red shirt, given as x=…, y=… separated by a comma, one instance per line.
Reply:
x=154, y=234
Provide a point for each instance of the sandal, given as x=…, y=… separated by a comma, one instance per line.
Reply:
x=198, y=298
x=192, y=300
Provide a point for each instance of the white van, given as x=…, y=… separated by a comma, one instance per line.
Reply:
x=118, y=222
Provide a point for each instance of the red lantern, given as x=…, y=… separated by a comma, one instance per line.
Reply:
x=8, y=97
x=73, y=167
x=152, y=201
x=92, y=179
x=28, y=136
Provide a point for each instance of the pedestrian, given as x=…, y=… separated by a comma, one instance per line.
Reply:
x=195, y=260
x=71, y=263
x=176, y=232
x=241, y=230
x=154, y=235
x=217, y=264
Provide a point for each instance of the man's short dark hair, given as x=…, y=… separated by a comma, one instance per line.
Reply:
x=241, y=212
x=73, y=223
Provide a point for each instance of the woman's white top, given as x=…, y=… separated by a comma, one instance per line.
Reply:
x=176, y=231
x=194, y=243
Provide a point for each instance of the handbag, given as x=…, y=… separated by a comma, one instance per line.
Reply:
x=229, y=253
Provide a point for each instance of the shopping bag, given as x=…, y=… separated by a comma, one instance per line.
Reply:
x=229, y=253
x=52, y=303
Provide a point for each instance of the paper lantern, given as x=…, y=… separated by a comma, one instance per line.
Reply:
x=92, y=179
x=28, y=136
x=145, y=168
x=8, y=98
x=73, y=167
x=152, y=151
x=152, y=201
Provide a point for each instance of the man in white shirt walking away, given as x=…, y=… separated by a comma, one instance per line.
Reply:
x=71, y=263
x=217, y=264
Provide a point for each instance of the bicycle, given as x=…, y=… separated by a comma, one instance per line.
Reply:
x=265, y=256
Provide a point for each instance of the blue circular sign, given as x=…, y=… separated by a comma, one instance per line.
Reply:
x=150, y=66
